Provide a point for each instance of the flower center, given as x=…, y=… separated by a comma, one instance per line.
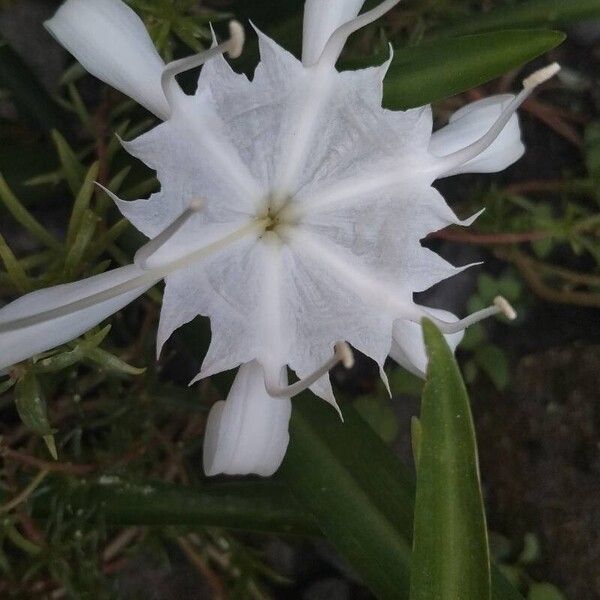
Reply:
x=274, y=216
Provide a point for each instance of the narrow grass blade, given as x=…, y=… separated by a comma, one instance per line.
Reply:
x=24, y=217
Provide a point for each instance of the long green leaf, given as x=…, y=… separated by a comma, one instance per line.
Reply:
x=261, y=506
x=368, y=520
x=72, y=168
x=535, y=13
x=450, y=548
x=82, y=202
x=24, y=217
x=435, y=70
x=360, y=495
x=14, y=269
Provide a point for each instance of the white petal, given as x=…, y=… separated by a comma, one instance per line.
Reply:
x=248, y=433
x=468, y=124
x=321, y=19
x=24, y=342
x=408, y=346
x=111, y=42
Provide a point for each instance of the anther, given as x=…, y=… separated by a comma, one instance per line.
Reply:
x=342, y=354
x=505, y=308
x=233, y=47
x=449, y=162
x=335, y=44
x=541, y=76
x=147, y=250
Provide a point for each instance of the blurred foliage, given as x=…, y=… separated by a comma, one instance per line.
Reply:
x=105, y=408
x=173, y=21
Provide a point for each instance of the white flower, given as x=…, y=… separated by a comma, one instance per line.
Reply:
x=291, y=212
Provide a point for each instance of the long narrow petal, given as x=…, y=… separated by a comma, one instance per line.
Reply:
x=469, y=124
x=24, y=341
x=247, y=433
x=321, y=19
x=408, y=346
x=111, y=42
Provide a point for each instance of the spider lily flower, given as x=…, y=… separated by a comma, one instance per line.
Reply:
x=291, y=212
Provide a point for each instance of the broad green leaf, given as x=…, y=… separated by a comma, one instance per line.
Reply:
x=378, y=413
x=360, y=495
x=435, y=70
x=29, y=96
x=31, y=406
x=416, y=434
x=535, y=13
x=450, y=547
x=262, y=506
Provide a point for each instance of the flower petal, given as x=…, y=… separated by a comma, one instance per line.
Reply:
x=321, y=19
x=111, y=42
x=23, y=342
x=468, y=124
x=408, y=346
x=248, y=433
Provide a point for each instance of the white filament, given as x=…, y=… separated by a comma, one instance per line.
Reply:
x=343, y=354
x=500, y=305
x=147, y=250
x=449, y=162
x=149, y=278
x=335, y=44
x=233, y=46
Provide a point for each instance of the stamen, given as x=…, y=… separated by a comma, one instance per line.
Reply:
x=149, y=278
x=233, y=46
x=147, y=250
x=449, y=162
x=500, y=305
x=335, y=44
x=343, y=354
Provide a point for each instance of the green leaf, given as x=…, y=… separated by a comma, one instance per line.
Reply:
x=450, y=552
x=24, y=217
x=416, y=435
x=493, y=362
x=31, y=406
x=110, y=362
x=71, y=165
x=359, y=494
x=80, y=243
x=450, y=548
x=262, y=506
x=82, y=202
x=535, y=13
x=15, y=271
x=544, y=591
x=435, y=70
x=378, y=413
